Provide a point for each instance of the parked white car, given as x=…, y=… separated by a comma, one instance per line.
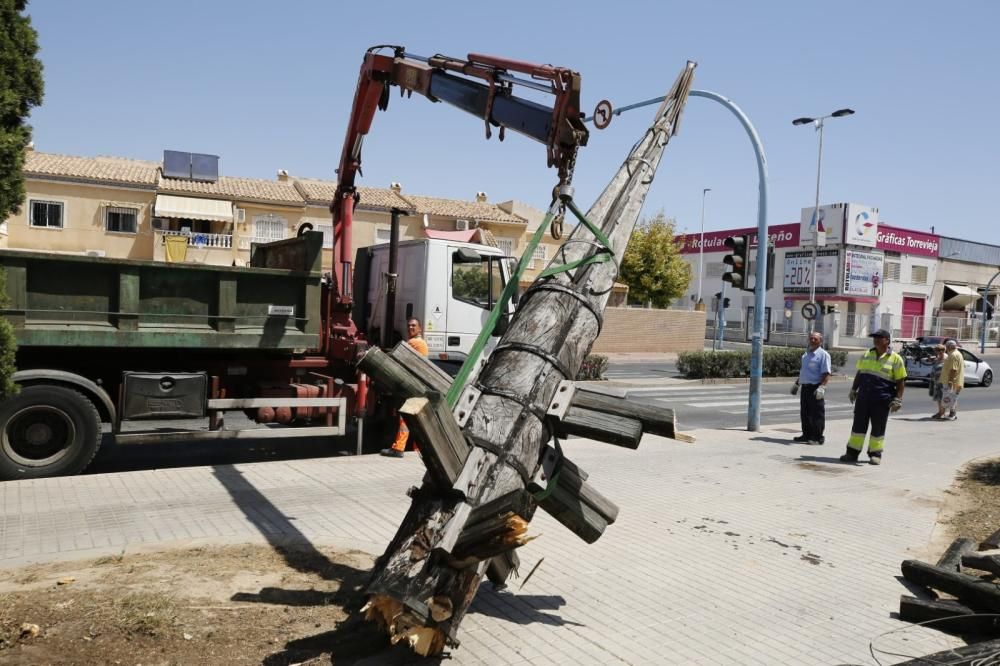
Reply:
x=920, y=362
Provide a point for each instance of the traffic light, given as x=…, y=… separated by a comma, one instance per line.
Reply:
x=989, y=310
x=738, y=260
x=725, y=302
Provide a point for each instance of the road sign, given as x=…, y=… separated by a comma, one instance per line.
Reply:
x=602, y=114
x=788, y=304
x=809, y=311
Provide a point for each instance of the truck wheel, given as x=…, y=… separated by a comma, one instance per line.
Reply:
x=47, y=431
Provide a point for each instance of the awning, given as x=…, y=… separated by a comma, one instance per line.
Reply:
x=194, y=209
x=460, y=236
x=957, y=296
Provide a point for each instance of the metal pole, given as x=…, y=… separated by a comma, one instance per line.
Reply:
x=812, y=274
x=757, y=337
x=701, y=245
x=720, y=326
x=982, y=316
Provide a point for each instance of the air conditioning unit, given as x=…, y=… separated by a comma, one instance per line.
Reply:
x=461, y=225
x=95, y=253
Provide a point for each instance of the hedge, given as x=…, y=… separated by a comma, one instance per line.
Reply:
x=778, y=362
x=593, y=367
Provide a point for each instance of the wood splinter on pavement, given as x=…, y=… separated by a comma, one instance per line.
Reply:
x=399, y=625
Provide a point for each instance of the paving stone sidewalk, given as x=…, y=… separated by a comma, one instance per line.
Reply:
x=742, y=548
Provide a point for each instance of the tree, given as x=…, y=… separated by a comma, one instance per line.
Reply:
x=652, y=266
x=20, y=90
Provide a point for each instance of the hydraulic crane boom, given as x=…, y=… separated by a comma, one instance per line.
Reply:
x=452, y=80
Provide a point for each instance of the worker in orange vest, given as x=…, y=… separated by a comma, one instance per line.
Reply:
x=415, y=340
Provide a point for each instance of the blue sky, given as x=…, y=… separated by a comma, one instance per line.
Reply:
x=268, y=86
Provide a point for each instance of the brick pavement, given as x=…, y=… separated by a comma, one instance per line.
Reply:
x=739, y=549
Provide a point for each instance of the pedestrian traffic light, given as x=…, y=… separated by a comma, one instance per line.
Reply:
x=725, y=302
x=738, y=261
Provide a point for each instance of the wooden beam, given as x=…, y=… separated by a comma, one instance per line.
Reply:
x=421, y=367
x=442, y=445
x=656, y=420
x=390, y=374
x=952, y=558
x=982, y=561
x=991, y=542
x=601, y=426
x=977, y=593
x=947, y=615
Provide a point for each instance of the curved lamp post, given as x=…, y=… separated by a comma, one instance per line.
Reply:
x=757, y=336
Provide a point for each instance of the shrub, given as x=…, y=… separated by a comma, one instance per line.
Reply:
x=8, y=346
x=593, y=367
x=777, y=362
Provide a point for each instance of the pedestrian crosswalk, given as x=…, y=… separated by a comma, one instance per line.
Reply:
x=724, y=398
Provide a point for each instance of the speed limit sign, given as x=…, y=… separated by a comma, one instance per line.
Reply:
x=809, y=311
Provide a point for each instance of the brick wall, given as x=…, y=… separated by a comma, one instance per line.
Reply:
x=639, y=330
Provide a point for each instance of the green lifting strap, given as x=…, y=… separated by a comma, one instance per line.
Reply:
x=455, y=391
x=605, y=254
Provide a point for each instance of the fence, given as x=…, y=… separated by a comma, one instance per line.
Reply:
x=196, y=239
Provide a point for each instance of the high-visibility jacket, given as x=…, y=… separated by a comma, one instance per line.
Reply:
x=419, y=344
x=879, y=374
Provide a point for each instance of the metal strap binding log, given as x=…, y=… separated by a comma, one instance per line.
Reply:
x=422, y=586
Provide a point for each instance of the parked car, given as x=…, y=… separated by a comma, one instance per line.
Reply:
x=936, y=340
x=920, y=362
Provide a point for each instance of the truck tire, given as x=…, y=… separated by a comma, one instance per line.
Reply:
x=47, y=431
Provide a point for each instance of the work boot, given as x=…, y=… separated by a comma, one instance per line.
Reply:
x=851, y=456
x=801, y=439
x=875, y=460
x=391, y=453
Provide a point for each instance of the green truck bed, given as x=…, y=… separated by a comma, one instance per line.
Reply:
x=68, y=300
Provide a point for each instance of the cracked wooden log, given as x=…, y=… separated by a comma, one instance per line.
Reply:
x=408, y=374
x=987, y=560
x=604, y=427
x=972, y=591
x=952, y=558
x=947, y=615
x=556, y=323
x=992, y=542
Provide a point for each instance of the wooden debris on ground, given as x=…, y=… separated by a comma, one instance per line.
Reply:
x=967, y=573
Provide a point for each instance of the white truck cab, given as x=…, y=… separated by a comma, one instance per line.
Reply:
x=450, y=287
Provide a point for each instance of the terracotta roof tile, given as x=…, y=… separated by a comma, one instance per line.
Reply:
x=464, y=210
x=237, y=188
x=102, y=169
x=321, y=191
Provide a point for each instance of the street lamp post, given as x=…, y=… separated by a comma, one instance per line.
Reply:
x=701, y=244
x=818, y=122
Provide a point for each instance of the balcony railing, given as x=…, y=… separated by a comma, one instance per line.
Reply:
x=196, y=239
x=246, y=241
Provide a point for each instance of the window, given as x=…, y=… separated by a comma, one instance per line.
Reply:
x=918, y=275
x=268, y=228
x=382, y=236
x=892, y=271
x=506, y=246
x=539, y=256
x=476, y=282
x=327, y=230
x=122, y=220
x=46, y=214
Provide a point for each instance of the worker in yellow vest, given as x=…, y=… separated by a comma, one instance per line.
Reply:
x=415, y=340
x=877, y=391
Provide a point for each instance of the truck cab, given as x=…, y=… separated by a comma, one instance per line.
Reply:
x=450, y=287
